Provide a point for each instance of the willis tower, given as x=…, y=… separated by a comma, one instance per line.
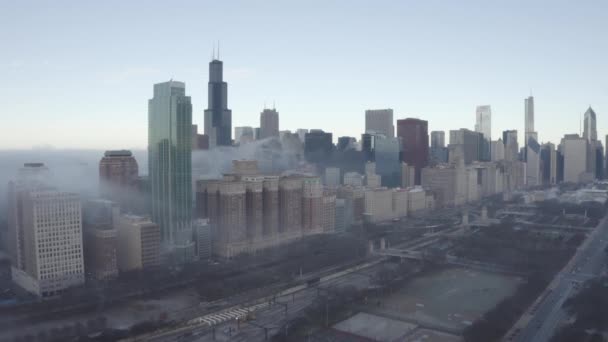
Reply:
x=218, y=118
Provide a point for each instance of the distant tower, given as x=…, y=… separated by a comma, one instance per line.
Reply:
x=590, y=129
x=414, y=143
x=483, y=122
x=269, y=123
x=529, y=112
x=218, y=118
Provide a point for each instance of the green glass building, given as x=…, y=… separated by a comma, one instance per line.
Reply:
x=169, y=166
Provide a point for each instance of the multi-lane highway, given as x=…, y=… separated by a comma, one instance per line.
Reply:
x=542, y=319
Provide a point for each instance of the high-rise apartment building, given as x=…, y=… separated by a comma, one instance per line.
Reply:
x=437, y=139
x=169, y=166
x=590, y=125
x=254, y=206
x=414, y=143
x=312, y=204
x=290, y=205
x=218, y=118
x=328, y=212
x=231, y=229
x=269, y=123
x=118, y=175
x=270, y=192
x=45, y=234
x=380, y=121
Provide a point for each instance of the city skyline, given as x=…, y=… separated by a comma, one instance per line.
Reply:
x=446, y=98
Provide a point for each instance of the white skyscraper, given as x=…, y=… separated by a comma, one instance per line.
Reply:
x=380, y=121
x=483, y=123
x=45, y=226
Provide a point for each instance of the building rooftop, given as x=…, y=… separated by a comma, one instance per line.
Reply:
x=118, y=153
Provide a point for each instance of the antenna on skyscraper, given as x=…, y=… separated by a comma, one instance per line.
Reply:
x=218, y=49
x=213, y=53
x=273, y=106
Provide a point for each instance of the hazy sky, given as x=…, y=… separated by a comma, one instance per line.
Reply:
x=78, y=74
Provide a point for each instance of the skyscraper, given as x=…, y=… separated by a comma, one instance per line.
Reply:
x=45, y=234
x=243, y=135
x=472, y=143
x=437, y=139
x=509, y=138
x=318, y=146
x=529, y=124
x=387, y=161
x=590, y=129
x=380, y=121
x=269, y=123
x=118, y=174
x=218, y=118
x=414, y=143
x=483, y=123
x=169, y=164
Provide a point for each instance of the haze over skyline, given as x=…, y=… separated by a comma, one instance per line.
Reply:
x=78, y=75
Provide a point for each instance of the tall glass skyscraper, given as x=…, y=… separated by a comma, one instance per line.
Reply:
x=169, y=164
x=218, y=118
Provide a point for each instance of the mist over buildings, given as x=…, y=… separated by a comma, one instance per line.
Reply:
x=78, y=170
x=272, y=154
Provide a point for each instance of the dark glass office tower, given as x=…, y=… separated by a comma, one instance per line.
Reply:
x=169, y=164
x=218, y=118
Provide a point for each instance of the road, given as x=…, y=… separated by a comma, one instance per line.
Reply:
x=541, y=321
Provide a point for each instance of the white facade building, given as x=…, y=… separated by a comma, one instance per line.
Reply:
x=576, y=152
x=380, y=121
x=48, y=228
